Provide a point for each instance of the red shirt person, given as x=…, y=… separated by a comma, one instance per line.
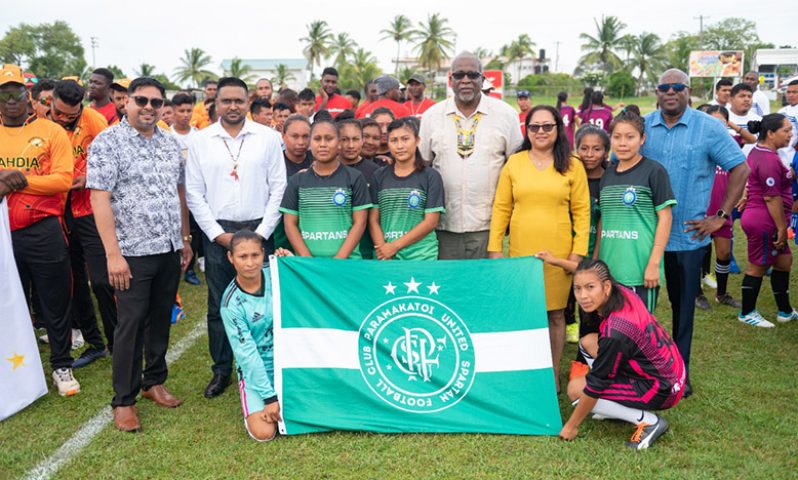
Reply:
x=418, y=103
x=524, y=99
x=329, y=99
x=100, y=93
x=388, y=88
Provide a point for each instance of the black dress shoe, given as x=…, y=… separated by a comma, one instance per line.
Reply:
x=218, y=384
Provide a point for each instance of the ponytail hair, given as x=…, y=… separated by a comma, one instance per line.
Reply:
x=769, y=123
x=616, y=300
x=411, y=123
x=561, y=97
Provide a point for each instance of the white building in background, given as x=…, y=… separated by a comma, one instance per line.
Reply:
x=267, y=68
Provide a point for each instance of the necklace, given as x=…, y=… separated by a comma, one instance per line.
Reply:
x=234, y=172
x=413, y=109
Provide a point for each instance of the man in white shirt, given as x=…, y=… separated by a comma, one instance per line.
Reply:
x=790, y=111
x=761, y=105
x=722, y=92
x=468, y=138
x=740, y=113
x=235, y=179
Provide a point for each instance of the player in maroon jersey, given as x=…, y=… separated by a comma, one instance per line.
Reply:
x=635, y=367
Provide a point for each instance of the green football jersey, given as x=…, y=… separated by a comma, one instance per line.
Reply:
x=324, y=205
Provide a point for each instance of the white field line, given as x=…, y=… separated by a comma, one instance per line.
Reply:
x=83, y=437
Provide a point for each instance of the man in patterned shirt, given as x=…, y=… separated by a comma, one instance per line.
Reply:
x=137, y=174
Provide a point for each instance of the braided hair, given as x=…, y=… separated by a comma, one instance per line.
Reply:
x=616, y=300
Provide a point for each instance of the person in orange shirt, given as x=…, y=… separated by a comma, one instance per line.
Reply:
x=200, y=118
x=100, y=94
x=41, y=97
x=41, y=151
x=82, y=126
x=417, y=103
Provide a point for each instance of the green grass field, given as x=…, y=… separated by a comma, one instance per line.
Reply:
x=740, y=424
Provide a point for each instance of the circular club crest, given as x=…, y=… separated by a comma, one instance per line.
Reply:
x=414, y=199
x=629, y=196
x=339, y=198
x=770, y=181
x=416, y=354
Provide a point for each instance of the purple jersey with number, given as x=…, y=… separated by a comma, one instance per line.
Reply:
x=637, y=361
x=769, y=178
x=568, y=116
x=599, y=116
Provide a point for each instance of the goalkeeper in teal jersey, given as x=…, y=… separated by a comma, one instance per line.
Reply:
x=247, y=316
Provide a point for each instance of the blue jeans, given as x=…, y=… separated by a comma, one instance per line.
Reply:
x=219, y=272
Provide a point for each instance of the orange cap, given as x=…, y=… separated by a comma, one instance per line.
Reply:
x=11, y=74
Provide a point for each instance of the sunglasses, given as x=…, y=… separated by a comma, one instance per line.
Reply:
x=6, y=97
x=677, y=87
x=547, y=127
x=46, y=101
x=142, y=102
x=471, y=75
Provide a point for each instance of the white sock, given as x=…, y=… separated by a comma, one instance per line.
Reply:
x=635, y=416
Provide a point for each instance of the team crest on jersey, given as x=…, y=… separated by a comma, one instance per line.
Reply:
x=416, y=353
x=629, y=196
x=339, y=198
x=36, y=141
x=414, y=199
x=770, y=181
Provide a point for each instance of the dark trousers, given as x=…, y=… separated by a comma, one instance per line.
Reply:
x=145, y=313
x=219, y=272
x=42, y=258
x=682, y=276
x=196, y=241
x=88, y=257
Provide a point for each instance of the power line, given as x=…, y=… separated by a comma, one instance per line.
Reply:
x=701, y=19
x=94, y=44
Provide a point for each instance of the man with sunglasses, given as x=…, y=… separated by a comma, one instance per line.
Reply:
x=136, y=174
x=41, y=97
x=235, y=179
x=389, y=96
x=690, y=144
x=468, y=138
x=85, y=247
x=40, y=150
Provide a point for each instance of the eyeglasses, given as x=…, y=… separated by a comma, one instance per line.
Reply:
x=142, y=102
x=677, y=87
x=46, y=101
x=6, y=97
x=461, y=75
x=547, y=127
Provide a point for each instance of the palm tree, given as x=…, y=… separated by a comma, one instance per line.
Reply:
x=282, y=75
x=401, y=29
x=193, y=67
x=239, y=70
x=342, y=47
x=145, y=70
x=649, y=56
x=317, y=43
x=518, y=50
x=482, y=53
x=434, y=41
x=628, y=43
x=363, y=68
x=599, y=49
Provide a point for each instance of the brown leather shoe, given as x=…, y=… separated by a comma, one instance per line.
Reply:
x=160, y=395
x=126, y=419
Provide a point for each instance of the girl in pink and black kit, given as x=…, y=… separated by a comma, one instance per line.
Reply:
x=768, y=206
x=635, y=367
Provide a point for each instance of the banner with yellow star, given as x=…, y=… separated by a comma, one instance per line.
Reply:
x=21, y=374
x=413, y=346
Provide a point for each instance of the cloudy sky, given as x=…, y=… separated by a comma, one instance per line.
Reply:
x=157, y=32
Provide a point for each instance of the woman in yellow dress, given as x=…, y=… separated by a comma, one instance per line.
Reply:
x=543, y=196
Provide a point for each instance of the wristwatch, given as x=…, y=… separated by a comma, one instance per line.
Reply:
x=188, y=238
x=722, y=214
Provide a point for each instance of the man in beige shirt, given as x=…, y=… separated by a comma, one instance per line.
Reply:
x=468, y=138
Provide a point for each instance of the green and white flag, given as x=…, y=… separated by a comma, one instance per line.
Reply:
x=413, y=346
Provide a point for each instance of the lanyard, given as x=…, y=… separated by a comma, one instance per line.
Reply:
x=234, y=172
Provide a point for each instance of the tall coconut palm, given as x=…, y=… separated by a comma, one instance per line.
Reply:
x=400, y=30
x=363, y=67
x=517, y=51
x=434, y=41
x=193, y=67
x=599, y=49
x=282, y=75
x=482, y=54
x=628, y=43
x=649, y=56
x=145, y=70
x=317, y=43
x=342, y=47
x=239, y=69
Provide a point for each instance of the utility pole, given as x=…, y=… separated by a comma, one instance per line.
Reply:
x=701, y=19
x=94, y=45
x=557, y=56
